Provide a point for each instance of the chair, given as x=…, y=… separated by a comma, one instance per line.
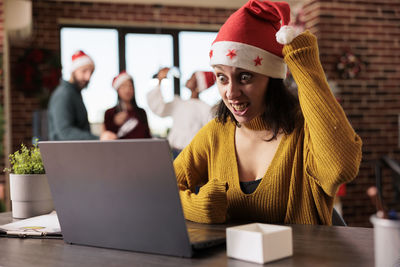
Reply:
x=39, y=125
x=337, y=219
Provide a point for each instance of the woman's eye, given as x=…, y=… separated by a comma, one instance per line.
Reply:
x=245, y=77
x=221, y=78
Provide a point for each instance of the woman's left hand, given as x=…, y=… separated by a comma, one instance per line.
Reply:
x=120, y=118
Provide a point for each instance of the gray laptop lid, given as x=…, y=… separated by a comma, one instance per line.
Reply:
x=117, y=194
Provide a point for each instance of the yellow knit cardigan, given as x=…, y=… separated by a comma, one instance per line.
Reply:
x=305, y=173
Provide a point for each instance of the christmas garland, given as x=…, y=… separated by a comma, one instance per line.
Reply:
x=38, y=72
x=349, y=65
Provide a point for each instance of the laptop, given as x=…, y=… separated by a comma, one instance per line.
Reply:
x=122, y=194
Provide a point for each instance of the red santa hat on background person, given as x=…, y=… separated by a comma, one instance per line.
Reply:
x=252, y=38
x=79, y=59
x=204, y=79
x=120, y=79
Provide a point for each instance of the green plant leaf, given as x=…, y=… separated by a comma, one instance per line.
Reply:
x=26, y=161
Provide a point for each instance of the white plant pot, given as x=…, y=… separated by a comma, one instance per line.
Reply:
x=30, y=195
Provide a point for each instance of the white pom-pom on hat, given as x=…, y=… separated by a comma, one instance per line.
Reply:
x=286, y=34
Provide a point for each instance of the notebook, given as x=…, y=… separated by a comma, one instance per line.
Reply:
x=121, y=194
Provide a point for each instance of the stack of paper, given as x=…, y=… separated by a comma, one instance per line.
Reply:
x=39, y=226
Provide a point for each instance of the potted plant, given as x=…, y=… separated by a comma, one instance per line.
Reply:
x=29, y=190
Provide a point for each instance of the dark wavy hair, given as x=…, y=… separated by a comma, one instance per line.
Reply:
x=139, y=111
x=282, y=109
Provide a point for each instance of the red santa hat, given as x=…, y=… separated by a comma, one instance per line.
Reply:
x=253, y=37
x=79, y=59
x=120, y=79
x=204, y=79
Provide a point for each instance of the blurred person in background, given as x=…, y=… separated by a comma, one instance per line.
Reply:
x=67, y=114
x=126, y=119
x=188, y=115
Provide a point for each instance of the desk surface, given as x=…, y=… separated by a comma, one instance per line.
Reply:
x=312, y=246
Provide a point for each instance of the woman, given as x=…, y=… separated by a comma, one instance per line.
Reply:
x=126, y=119
x=268, y=156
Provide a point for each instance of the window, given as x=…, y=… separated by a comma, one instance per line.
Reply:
x=194, y=48
x=142, y=52
x=102, y=46
x=145, y=55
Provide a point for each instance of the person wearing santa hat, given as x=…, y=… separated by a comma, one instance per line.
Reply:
x=268, y=156
x=126, y=119
x=67, y=115
x=188, y=115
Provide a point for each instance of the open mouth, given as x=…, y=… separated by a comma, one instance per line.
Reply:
x=240, y=107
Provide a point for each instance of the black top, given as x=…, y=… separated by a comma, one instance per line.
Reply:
x=250, y=186
x=141, y=130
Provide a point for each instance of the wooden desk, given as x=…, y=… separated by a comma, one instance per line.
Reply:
x=313, y=246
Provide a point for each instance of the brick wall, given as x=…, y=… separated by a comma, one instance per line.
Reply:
x=1, y=27
x=371, y=30
x=1, y=92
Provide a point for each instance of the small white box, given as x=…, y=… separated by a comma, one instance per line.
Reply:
x=259, y=242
